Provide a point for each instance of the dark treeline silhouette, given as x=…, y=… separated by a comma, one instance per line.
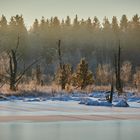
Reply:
x=80, y=38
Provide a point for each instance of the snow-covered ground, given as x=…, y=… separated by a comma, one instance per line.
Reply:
x=70, y=104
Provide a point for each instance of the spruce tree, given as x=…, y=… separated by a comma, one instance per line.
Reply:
x=76, y=22
x=96, y=23
x=106, y=24
x=115, y=26
x=68, y=21
x=35, y=26
x=83, y=77
x=124, y=23
x=3, y=21
x=63, y=75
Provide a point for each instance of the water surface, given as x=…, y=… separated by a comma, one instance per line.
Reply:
x=81, y=130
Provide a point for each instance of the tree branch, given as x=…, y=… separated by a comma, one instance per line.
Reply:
x=21, y=75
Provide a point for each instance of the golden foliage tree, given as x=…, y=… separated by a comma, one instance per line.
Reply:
x=83, y=76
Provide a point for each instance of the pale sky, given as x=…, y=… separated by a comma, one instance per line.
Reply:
x=31, y=9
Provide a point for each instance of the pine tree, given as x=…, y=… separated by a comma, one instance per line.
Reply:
x=76, y=22
x=83, y=77
x=62, y=23
x=89, y=22
x=124, y=23
x=68, y=21
x=135, y=22
x=106, y=24
x=115, y=26
x=82, y=23
x=64, y=75
x=3, y=32
x=12, y=23
x=56, y=22
x=20, y=23
x=96, y=23
x=35, y=25
x=42, y=24
x=3, y=21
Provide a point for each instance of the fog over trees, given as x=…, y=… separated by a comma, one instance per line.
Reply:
x=96, y=41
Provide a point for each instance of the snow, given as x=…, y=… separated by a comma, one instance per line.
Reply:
x=122, y=103
x=32, y=100
x=89, y=101
x=97, y=98
x=138, y=102
x=133, y=99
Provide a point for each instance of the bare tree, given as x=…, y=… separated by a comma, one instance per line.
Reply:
x=13, y=75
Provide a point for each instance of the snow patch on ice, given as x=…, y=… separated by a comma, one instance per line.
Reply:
x=122, y=103
x=89, y=101
x=32, y=100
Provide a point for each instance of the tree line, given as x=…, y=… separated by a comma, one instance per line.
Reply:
x=90, y=39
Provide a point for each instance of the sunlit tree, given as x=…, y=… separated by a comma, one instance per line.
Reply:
x=83, y=76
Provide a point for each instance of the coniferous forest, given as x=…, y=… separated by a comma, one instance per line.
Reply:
x=77, y=52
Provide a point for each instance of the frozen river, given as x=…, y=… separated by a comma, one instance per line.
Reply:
x=67, y=120
x=62, y=110
x=81, y=130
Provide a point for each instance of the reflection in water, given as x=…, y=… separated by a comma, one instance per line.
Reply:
x=83, y=130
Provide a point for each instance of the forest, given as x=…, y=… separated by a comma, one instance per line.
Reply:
x=70, y=52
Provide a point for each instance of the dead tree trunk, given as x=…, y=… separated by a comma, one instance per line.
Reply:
x=118, y=71
x=38, y=75
x=13, y=69
x=62, y=67
x=59, y=54
x=112, y=90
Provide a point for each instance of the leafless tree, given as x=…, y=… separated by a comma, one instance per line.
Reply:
x=13, y=75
